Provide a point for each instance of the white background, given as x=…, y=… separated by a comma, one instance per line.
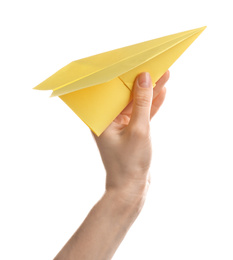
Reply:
x=51, y=173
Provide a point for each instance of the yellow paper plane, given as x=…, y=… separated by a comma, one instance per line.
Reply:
x=98, y=88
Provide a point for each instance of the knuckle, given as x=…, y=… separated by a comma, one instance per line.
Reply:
x=142, y=100
x=140, y=132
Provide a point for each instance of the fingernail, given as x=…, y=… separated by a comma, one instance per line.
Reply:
x=144, y=80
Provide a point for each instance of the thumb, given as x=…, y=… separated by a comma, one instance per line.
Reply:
x=142, y=100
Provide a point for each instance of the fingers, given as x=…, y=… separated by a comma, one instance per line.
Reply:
x=160, y=84
x=156, y=90
x=122, y=119
x=145, y=103
x=142, y=100
x=157, y=102
x=159, y=93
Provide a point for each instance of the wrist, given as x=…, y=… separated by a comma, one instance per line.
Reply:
x=131, y=189
x=128, y=199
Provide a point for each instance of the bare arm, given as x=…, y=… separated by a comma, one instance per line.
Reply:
x=103, y=229
x=125, y=148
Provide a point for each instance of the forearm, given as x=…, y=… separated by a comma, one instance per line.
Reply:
x=104, y=228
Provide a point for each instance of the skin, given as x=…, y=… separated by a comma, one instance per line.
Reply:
x=126, y=151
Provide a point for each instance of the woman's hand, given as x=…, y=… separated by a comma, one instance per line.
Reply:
x=125, y=146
